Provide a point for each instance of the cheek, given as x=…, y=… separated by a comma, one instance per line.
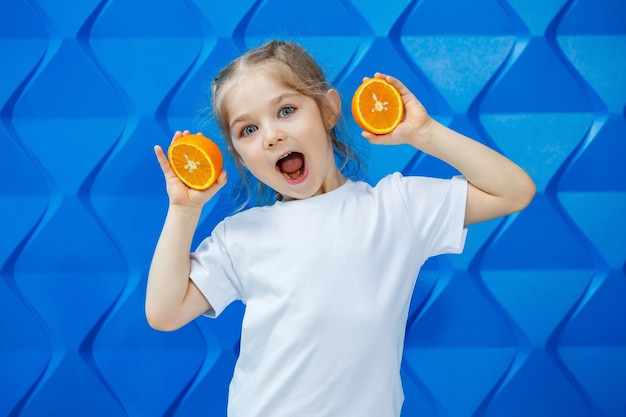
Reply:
x=248, y=157
x=239, y=152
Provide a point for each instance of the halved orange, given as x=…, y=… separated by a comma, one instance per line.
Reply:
x=377, y=106
x=196, y=160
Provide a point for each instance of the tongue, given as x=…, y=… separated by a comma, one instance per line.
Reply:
x=292, y=164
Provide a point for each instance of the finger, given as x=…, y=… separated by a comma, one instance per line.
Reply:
x=162, y=159
x=403, y=89
x=177, y=135
x=217, y=185
x=375, y=139
x=221, y=179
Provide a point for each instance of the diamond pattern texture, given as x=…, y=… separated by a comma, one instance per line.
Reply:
x=529, y=321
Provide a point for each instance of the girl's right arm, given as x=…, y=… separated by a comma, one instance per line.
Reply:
x=172, y=299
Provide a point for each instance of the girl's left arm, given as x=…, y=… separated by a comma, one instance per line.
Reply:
x=497, y=186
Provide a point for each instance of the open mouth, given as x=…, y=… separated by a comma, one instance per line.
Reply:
x=291, y=165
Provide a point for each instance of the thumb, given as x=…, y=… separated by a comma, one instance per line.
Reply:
x=163, y=162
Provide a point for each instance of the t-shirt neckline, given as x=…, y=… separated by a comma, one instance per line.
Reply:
x=332, y=195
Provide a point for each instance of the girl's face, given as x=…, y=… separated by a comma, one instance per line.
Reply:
x=281, y=136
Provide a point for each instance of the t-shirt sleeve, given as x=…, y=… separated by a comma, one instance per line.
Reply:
x=436, y=208
x=213, y=273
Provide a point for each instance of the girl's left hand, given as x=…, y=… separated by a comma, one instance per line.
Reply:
x=415, y=118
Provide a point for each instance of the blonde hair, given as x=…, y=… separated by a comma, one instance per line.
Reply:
x=293, y=67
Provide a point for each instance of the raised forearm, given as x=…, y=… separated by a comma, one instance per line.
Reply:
x=507, y=188
x=168, y=279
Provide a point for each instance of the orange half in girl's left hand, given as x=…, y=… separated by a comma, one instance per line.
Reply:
x=196, y=160
x=377, y=106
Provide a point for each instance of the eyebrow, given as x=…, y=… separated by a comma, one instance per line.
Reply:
x=273, y=101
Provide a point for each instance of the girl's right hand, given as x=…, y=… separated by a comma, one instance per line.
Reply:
x=179, y=194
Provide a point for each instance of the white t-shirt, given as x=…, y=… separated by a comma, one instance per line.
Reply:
x=327, y=283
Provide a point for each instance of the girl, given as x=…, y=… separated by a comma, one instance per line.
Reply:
x=327, y=270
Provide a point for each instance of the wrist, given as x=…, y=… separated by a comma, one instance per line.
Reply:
x=425, y=135
x=186, y=210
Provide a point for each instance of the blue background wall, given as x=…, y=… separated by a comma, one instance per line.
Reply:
x=529, y=321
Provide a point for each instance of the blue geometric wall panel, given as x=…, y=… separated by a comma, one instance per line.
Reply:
x=528, y=321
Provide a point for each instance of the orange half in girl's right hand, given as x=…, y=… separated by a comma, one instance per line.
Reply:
x=377, y=106
x=196, y=160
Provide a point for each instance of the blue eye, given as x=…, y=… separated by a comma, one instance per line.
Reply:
x=248, y=130
x=286, y=111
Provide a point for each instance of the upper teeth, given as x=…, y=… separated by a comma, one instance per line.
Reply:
x=285, y=155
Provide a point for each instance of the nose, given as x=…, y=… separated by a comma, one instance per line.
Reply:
x=273, y=135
